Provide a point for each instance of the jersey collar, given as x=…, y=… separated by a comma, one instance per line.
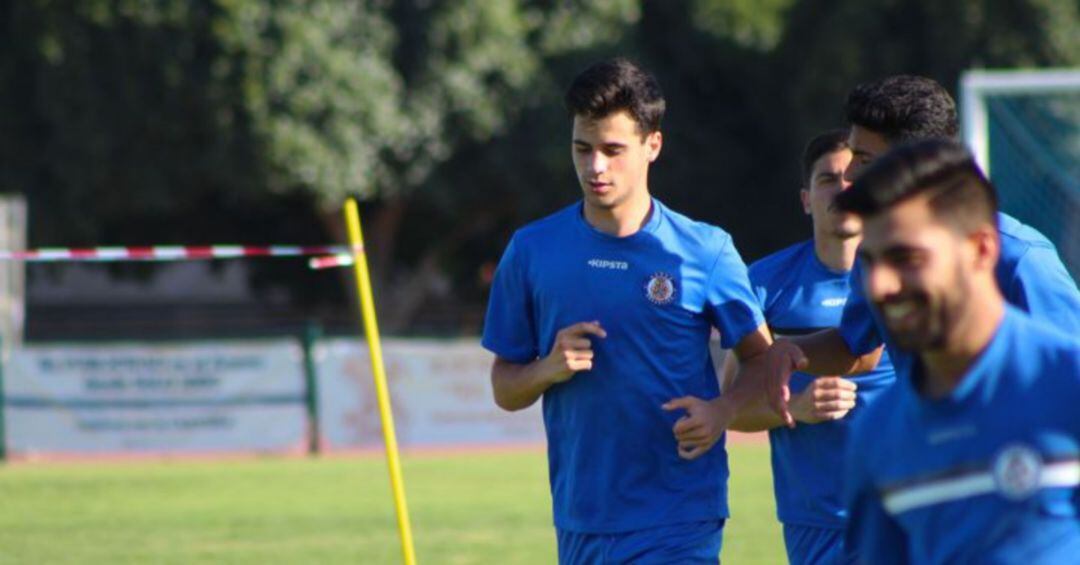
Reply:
x=979, y=379
x=652, y=223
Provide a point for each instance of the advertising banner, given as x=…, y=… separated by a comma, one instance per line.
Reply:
x=155, y=398
x=440, y=392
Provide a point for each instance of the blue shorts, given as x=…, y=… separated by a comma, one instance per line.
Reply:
x=808, y=545
x=694, y=542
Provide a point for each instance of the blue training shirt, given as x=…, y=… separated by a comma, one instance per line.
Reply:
x=612, y=457
x=799, y=295
x=1029, y=273
x=988, y=474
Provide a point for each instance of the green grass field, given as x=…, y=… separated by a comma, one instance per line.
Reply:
x=466, y=508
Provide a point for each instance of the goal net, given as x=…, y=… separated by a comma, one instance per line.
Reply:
x=1024, y=129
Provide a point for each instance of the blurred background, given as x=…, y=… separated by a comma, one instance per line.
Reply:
x=196, y=122
x=129, y=122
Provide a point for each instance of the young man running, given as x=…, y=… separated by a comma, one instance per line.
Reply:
x=604, y=310
x=974, y=455
x=803, y=289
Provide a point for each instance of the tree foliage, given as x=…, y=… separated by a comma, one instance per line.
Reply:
x=123, y=108
x=136, y=121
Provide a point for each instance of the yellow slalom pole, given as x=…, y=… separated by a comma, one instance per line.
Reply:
x=371, y=329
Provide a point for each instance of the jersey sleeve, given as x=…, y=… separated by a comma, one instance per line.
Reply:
x=509, y=326
x=857, y=325
x=758, y=285
x=1042, y=286
x=871, y=535
x=729, y=299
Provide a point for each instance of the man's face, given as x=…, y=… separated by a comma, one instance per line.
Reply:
x=917, y=273
x=612, y=158
x=826, y=181
x=866, y=145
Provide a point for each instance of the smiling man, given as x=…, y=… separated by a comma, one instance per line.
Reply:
x=604, y=309
x=1029, y=272
x=974, y=456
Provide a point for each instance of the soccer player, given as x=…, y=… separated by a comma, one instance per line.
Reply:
x=803, y=289
x=1030, y=273
x=605, y=309
x=974, y=455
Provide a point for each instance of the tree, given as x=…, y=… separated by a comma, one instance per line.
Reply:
x=201, y=121
x=139, y=123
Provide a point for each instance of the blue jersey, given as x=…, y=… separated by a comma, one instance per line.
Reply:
x=612, y=457
x=988, y=474
x=800, y=295
x=1029, y=273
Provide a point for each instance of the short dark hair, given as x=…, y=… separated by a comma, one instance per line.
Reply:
x=617, y=84
x=903, y=108
x=959, y=193
x=821, y=144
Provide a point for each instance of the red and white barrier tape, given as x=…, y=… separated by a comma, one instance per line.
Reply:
x=330, y=261
x=169, y=253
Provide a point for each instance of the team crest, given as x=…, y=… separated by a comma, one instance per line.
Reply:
x=1017, y=471
x=660, y=289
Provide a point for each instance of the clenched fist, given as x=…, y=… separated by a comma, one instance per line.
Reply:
x=572, y=351
x=824, y=399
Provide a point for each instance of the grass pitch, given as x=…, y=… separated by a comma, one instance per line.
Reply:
x=466, y=508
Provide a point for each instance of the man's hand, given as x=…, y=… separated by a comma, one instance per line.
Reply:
x=702, y=425
x=824, y=400
x=572, y=351
x=782, y=359
x=517, y=386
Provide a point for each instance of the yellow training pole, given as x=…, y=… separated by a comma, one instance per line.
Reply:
x=371, y=329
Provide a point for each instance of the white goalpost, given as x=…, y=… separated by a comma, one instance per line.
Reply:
x=1023, y=127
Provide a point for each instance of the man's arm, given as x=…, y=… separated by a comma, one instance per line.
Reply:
x=755, y=417
x=705, y=420
x=821, y=353
x=825, y=399
x=518, y=385
x=1043, y=287
x=827, y=353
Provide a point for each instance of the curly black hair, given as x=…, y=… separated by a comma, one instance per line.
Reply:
x=903, y=108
